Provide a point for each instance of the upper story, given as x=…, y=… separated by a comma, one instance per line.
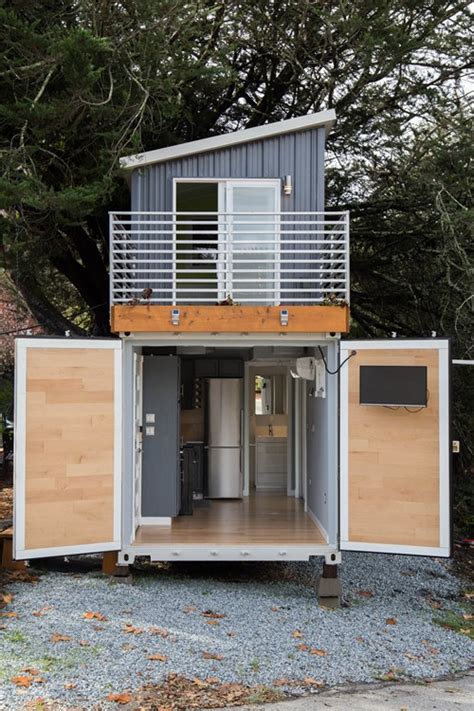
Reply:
x=229, y=234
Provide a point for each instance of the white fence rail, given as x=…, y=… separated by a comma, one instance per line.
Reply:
x=247, y=257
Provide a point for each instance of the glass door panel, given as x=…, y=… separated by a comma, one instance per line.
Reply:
x=254, y=241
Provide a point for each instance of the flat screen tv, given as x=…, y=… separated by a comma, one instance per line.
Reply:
x=393, y=385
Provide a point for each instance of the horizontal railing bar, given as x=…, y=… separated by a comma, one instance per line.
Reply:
x=239, y=271
x=235, y=212
x=340, y=240
x=340, y=236
x=199, y=289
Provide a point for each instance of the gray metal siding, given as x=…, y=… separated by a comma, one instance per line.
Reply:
x=160, y=464
x=300, y=155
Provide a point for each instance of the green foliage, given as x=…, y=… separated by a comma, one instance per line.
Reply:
x=83, y=83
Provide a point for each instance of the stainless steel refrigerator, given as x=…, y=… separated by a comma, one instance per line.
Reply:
x=224, y=438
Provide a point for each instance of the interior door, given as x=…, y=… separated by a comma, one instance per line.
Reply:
x=394, y=447
x=254, y=233
x=68, y=406
x=138, y=436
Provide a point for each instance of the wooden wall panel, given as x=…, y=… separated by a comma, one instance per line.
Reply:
x=394, y=459
x=69, y=458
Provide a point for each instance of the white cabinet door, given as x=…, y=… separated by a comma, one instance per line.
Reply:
x=68, y=415
x=395, y=448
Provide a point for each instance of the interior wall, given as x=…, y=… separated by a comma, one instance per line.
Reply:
x=321, y=442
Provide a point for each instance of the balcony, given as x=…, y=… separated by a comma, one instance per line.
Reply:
x=259, y=263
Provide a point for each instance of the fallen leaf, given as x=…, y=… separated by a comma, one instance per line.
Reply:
x=212, y=655
x=30, y=670
x=42, y=612
x=7, y=598
x=309, y=681
x=275, y=608
x=213, y=615
x=84, y=643
x=159, y=631
x=199, y=682
x=212, y=622
x=468, y=617
x=158, y=657
x=124, y=698
x=281, y=682
x=23, y=575
x=212, y=680
x=318, y=652
x=60, y=637
x=365, y=593
x=130, y=629
x=390, y=621
x=70, y=685
x=297, y=634
x=21, y=680
x=94, y=616
x=9, y=614
x=189, y=608
x=303, y=647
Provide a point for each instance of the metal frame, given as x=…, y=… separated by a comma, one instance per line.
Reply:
x=312, y=251
x=22, y=345
x=442, y=346
x=200, y=552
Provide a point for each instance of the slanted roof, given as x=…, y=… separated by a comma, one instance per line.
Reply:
x=301, y=123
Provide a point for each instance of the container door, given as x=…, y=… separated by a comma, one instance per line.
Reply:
x=137, y=436
x=395, y=446
x=67, y=446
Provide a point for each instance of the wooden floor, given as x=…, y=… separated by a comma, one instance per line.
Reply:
x=259, y=519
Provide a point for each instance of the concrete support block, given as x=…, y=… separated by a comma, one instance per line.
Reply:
x=110, y=567
x=329, y=587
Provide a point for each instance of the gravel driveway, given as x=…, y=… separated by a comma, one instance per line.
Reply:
x=252, y=623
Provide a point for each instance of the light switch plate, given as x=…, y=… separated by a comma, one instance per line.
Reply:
x=150, y=418
x=456, y=446
x=149, y=431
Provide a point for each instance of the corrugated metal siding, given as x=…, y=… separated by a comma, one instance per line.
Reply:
x=299, y=154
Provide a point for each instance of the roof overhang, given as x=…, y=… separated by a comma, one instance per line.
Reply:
x=301, y=123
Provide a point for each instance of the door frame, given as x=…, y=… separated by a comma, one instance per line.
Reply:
x=22, y=345
x=444, y=431
x=137, y=400
x=224, y=227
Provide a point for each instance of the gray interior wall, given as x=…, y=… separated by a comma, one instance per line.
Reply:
x=321, y=444
x=160, y=463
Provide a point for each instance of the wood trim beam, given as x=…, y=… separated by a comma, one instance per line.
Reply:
x=149, y=318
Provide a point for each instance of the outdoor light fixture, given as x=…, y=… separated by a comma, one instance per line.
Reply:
x=287, y=186
x=175, y=317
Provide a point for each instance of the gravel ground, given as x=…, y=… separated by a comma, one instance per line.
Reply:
x=271, y=622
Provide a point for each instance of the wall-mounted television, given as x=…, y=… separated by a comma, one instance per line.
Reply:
x=393, y=385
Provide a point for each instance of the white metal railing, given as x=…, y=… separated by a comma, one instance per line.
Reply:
x=216, y=257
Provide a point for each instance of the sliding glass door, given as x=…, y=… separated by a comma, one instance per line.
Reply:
x=253, y=240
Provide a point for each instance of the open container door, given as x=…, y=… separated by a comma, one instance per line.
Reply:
x=395, y=452
x=67, y=488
